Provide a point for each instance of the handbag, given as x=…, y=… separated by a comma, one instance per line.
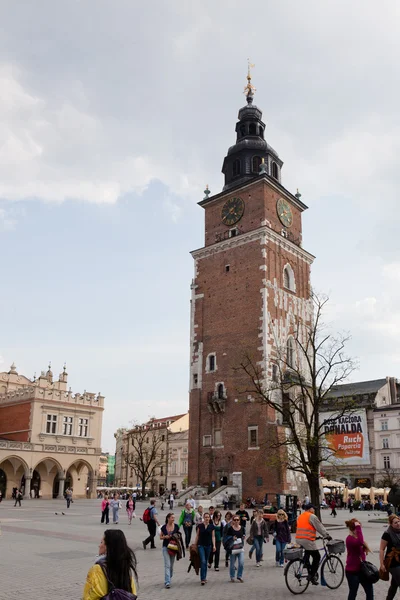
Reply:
x=237, y=546
x=173, y=547
x=369, y=572
x=384, y=574
x=250, y=540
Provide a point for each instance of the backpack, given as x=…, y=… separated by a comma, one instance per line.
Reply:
x=114, y=593
x=147, y=515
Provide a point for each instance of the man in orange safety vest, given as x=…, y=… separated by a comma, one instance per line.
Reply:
x=307, y=527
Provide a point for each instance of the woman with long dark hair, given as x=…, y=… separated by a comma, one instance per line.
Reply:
x=169, y=547
x=218, y=527
x=117, y=564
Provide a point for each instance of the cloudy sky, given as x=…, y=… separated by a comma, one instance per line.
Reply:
x=114, y=115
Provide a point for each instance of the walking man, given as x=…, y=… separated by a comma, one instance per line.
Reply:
x=18, y=497
x=151, y=525
x=68, y=496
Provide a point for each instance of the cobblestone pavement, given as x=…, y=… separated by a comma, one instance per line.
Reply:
x=46, y=555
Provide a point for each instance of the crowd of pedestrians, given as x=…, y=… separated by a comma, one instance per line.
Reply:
x=212, y=533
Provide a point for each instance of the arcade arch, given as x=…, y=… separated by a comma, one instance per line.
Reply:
x=80, y=476
x=12, y=472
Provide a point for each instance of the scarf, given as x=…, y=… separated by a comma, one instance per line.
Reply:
x=394, y=536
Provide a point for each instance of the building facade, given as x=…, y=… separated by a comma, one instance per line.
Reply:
x=152, y=436
x=178, y=453
x=251, y=282
x=380, y=398
x=49, y=437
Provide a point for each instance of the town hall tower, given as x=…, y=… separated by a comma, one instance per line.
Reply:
x=251, y=282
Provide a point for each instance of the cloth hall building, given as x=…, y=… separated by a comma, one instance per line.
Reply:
x=49, y=437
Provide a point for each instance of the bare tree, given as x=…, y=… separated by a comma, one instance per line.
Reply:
x=389, y=479
x=308, y=366
x=145, y=455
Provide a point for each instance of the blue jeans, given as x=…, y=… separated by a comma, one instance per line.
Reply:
x=204, y=553
x=168, y=565
x=279, y=548
x=258, y=543
x=240, y=558
x=115, y=514
x=354, y=580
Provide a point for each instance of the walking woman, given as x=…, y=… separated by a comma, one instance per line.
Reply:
x=225, y=526
x=282, y=536
x=167, y=531
x=259, y=533
x=205, y=542
x=130, y=509
x=214, y=556
x=115, y=505
x=235, y=530
x=199, y=516
x=117, y=564
x=187, y=520
x=356, y=552
x=105, y=509
x=390, y=542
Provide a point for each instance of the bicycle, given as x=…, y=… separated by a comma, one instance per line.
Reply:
x=332, y=569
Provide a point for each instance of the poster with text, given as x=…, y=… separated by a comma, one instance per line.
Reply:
x=346, y=437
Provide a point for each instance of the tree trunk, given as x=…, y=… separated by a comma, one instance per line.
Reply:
x=143, y=488
x=315, y=493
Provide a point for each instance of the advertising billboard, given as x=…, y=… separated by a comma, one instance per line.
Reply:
x=346, y=437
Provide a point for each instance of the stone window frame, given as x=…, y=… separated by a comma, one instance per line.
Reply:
x=83, y=427
x=218, y=429
x=289, y=282
x=51, y=424
x=68, y=425
x=208, y=370
x=207, y=441
x=290, y=352
x=252, y=446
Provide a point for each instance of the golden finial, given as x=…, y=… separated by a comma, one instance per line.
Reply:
x=249, y=89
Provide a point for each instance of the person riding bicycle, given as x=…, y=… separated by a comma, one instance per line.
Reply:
x=307, y=527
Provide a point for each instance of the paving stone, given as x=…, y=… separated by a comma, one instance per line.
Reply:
x=47, y=556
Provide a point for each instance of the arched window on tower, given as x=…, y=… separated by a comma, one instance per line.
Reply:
x=220, y=391
x=261, y=132
x=288, y=278
x=275, y=171
x=290, y=352
x=252, y=129
x=242, y=130
x=236, y=167
x=255, y=164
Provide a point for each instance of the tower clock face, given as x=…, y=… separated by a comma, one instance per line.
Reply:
x=232, y=211
x=284, y=212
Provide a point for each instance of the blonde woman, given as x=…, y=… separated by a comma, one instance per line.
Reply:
x=281, y=532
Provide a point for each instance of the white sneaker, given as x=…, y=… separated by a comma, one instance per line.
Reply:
x=277, y=564
x=282, y=566
x=258, y=565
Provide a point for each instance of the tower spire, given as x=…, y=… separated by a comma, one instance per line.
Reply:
x=249, y=89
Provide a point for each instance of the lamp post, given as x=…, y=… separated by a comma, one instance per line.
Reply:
x=107, y=473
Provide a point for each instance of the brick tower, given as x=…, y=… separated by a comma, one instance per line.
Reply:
x=251, y=280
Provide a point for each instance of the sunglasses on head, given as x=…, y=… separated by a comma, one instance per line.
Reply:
x=236, y=519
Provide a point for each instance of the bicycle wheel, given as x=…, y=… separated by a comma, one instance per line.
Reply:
x=296, y=577
x=332, y=571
